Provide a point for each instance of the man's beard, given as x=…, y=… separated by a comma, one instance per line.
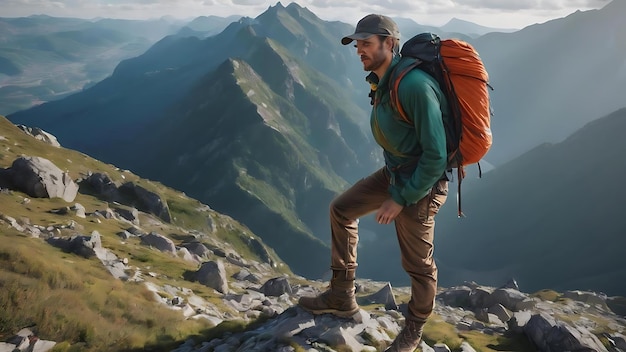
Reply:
x=375, y=61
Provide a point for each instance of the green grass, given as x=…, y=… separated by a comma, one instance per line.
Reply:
x=72, y=299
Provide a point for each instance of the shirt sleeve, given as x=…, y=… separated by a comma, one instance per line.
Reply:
x=421, y=100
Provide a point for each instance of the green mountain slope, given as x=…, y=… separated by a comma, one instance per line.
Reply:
x=74, y=300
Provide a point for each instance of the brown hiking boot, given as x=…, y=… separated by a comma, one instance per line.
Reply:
x=409, y=338
x=339, y=299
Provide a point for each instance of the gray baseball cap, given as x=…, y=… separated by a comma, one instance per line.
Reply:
x=373, y=25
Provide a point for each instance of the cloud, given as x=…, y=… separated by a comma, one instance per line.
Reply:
x=502, y=13
x=538, y=5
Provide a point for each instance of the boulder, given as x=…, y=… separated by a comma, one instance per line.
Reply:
x=383, y=296
x=501, y=312
x=145, y=200
x=441, y=347
x=188, y=256
x=518, y=321
x=159, y=242
x=507, y=297
x=198, y=249
x=548, y=335
x=40, y=178
x=591, y=298
x=85, y=246
x=276, y=287
x=102, y=186
x=40, y=134
x=79, y=210
x=212, y=274
x=456, y=296
x=478, y=298
x=131, y=214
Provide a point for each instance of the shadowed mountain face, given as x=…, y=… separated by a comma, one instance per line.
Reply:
x=553, y=78
x=250, y=121
x=550, y=218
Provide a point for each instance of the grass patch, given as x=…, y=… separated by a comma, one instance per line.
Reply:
x=74, y=300
x=547, y=295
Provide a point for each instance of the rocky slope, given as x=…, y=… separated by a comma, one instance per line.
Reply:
x=136, y=233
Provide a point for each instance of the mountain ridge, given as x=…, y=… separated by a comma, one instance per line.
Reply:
x=570, y=214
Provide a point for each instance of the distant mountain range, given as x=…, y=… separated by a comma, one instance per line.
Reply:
x=551, y=79
x=456, y=25
x=267, y=122
x=46, y=58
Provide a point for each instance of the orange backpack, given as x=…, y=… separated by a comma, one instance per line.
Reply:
x=463, y=78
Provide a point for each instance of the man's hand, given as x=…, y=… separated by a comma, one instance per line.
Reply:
x=388, y=211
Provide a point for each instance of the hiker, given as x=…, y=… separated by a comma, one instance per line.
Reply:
x=408, y=190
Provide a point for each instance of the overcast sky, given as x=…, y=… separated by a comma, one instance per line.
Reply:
x=491, y=13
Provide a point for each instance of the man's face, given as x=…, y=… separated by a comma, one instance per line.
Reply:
x=372, y=52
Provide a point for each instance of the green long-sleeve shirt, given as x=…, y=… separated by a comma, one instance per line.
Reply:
x=424, y=140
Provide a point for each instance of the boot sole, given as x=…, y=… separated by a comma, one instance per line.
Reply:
x=339, y=313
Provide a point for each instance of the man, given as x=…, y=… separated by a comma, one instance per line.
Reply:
x=409, y=190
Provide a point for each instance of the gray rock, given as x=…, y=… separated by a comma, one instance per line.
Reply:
x=237, y=260
x=131, y=214
x=159, y=242
x=507, y=297
x=466, y=347
x=512, y=283
x=198, y=249
x=482, y=315
x=527, y=304
x=212, y=274
x=619, y=341
x=135, y=231
x=102, y=186
x=501, y=312
x=8, y=347
x=478, y=298
x=441, y=347
x=145, y=200
x=124, y=235
x=456, y=296
x=339, y=336
x=518, y=321
x=276, y=287
x=587, y=297
x=85, y=246
x=42, y=346
x=425, y=348
x=40, y=178
x=383, y=296
x=79, y=210
x=188, y=256
x=548, y=335
x=40, y=134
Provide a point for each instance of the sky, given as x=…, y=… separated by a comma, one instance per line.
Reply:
x=491, y=13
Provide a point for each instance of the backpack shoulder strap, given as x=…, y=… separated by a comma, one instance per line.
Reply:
x=394, y=85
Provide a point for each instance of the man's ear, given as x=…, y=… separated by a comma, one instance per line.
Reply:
x=389, y=43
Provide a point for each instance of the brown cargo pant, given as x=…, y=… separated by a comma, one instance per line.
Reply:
x=415, y=227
